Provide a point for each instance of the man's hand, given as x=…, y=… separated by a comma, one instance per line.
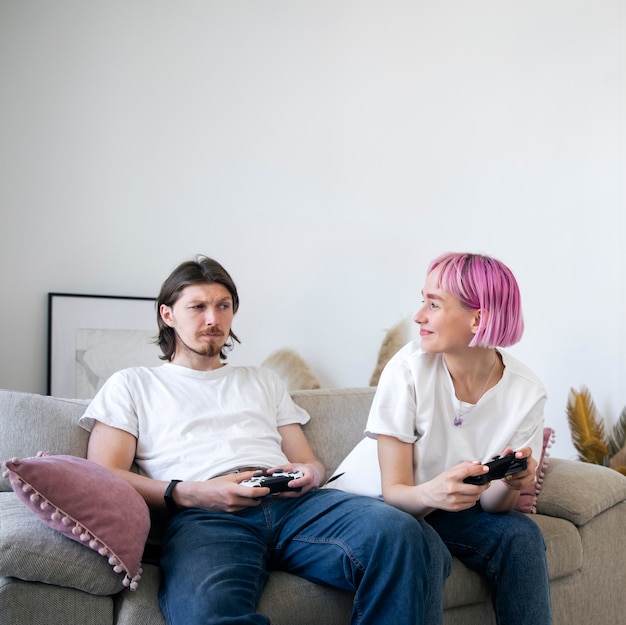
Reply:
x=312, y=477
x=222, y=494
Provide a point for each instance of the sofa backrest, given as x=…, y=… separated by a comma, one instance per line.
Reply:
x=338, y=418
x=32, y=423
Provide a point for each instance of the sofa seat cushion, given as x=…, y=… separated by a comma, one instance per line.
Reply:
x=141, y=607
x=286, y=600
x=33, y=603
x=564, y=546
x=464, y=587
x=291, y=600
x=31, y=551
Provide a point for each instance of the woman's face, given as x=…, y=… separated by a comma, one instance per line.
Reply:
x=445, y=324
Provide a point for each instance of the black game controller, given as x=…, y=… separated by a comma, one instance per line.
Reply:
x=277, y=482
x=498, y=468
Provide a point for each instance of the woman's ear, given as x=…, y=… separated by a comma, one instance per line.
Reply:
x=479, y=318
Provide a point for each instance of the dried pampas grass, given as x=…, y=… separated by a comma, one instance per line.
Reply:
x=396, y=337
x=587, y=429
x=588, y=434
x=292, y=368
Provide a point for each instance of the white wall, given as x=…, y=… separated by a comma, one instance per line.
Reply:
x=324, y=151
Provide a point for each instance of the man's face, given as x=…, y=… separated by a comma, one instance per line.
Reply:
x=201, y=319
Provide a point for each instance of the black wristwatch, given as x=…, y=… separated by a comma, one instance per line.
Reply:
x=172, y=506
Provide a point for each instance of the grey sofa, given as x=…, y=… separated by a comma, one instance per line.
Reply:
x=47, y=578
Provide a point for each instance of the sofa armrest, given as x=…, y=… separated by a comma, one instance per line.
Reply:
x=579, y=491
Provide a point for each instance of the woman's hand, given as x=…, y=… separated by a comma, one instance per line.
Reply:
x=504, y=493
x=525, y=478
x=449, y=492
x=445, y=492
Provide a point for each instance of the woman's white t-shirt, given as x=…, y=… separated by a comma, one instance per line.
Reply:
x=194, y=425
x=415, y=402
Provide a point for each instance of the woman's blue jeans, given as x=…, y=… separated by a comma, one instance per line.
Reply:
x=510, y=551
x=216, y=564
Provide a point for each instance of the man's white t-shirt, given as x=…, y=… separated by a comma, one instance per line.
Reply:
x=194, y=425
x=416, y=403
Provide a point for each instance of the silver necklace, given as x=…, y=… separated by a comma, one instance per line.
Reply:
x=458, y=420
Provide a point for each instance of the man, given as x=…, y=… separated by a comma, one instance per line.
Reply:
x=197, y=428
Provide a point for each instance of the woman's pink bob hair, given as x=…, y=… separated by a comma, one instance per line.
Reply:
x=486, y=284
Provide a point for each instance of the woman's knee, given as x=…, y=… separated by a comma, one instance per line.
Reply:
x=525, y=526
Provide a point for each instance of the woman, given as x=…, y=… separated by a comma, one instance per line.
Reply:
x=446, y=406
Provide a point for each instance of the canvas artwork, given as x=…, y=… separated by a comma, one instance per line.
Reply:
x=92, y=336
x=99, y=353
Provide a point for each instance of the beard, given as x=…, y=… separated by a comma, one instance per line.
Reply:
x=208, y=350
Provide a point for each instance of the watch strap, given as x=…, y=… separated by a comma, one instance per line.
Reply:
x=172, y=506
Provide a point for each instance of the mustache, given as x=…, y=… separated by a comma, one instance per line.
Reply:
x=214, y=332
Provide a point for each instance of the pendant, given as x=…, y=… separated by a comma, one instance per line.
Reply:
x=458, y=421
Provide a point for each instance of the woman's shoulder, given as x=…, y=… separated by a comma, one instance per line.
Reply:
x=414, y=356
x=519, y=370
x=411, y=362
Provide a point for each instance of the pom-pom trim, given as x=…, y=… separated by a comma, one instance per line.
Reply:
x=85, y=537
x=544, y=465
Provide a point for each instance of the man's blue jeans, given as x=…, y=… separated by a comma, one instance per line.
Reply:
x=510, y=551
x=215, y=564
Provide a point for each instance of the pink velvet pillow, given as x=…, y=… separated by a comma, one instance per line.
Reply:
x=87, y=503
x=528, y=498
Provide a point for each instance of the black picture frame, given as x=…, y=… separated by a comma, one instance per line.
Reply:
x=92, y=336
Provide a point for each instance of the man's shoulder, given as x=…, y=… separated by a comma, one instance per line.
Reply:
x=129, y=374
x=253, y=372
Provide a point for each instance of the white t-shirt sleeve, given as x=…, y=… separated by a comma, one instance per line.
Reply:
x=287, y=411
x=112, y=405
x=395, y=403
